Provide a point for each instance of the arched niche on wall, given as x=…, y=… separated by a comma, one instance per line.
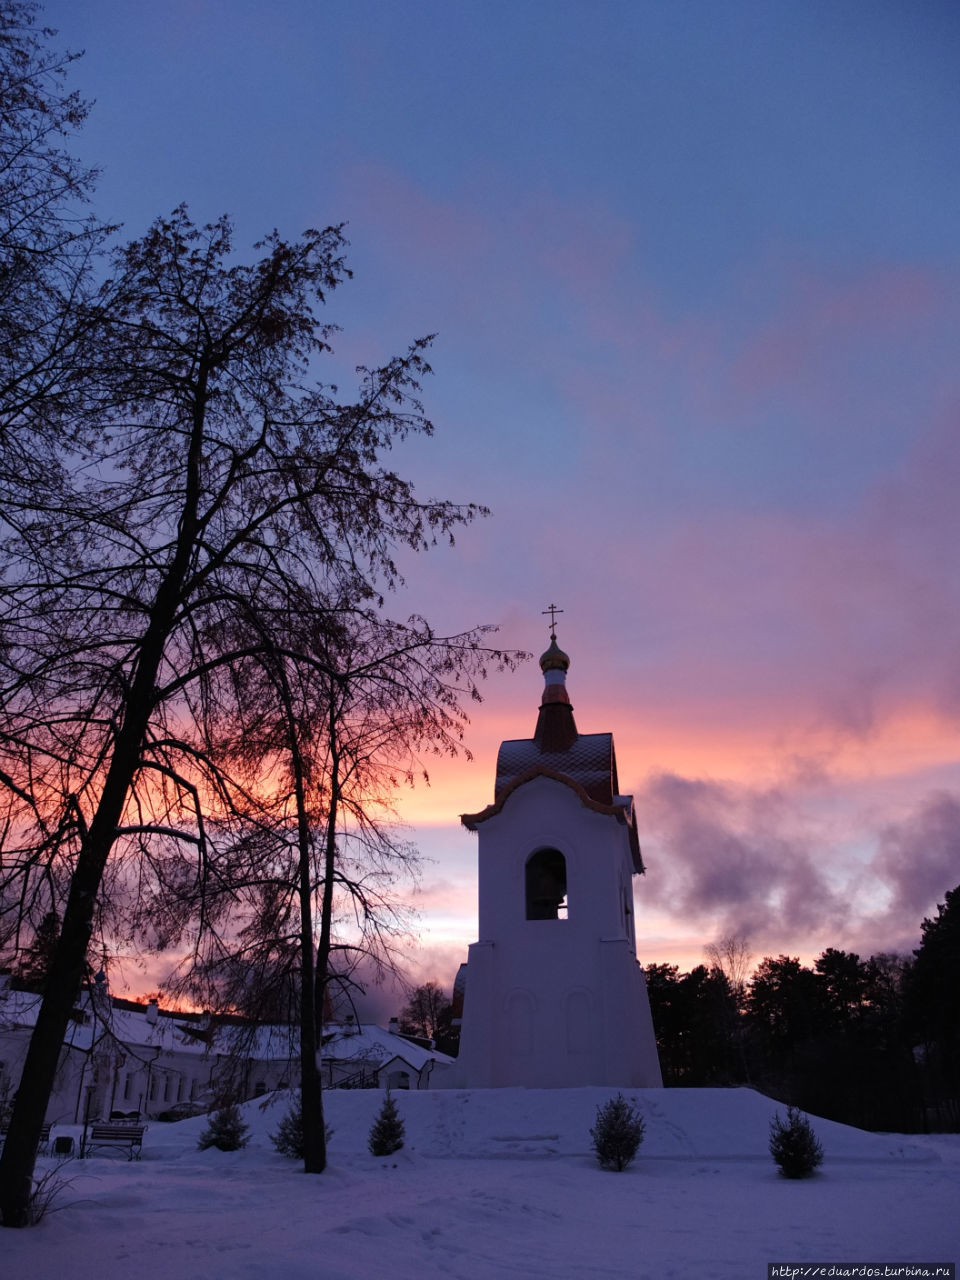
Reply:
x=519, y=1009
x=580, y=1016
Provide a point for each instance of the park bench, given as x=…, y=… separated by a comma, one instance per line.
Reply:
x=118, y=1134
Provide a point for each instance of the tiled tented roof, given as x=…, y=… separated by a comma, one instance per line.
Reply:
x=588, y=764
x=583, y=761
x=588, y=761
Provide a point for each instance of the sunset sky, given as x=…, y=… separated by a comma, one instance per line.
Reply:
x=694, y=271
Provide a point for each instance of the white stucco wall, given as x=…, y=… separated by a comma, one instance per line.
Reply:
x=555, y=1003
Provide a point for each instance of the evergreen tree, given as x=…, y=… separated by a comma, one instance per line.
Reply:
x=783, y=1004
x=794, y=1145
x=288, y=1139
x=386, y=1133
x=932, y=1012
x=618, y=1133
x=227, y=1130
x=842, y=983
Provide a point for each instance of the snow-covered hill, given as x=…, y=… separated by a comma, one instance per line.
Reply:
x=499, y=1183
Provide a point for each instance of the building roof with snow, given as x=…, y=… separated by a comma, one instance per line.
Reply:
x=142, y=1058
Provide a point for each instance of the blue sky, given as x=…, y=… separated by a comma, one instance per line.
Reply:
x=693, y=270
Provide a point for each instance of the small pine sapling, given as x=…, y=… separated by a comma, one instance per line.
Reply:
x=288, y=1139
x=794, y=1145
x=618, y=1133
x=386, y=1133
x=227, y=1130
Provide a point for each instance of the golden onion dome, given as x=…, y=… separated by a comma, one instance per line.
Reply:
x=554, y=659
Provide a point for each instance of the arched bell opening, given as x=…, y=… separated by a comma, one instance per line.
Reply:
x=546, y=885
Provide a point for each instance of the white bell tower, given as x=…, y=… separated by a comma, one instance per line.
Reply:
x=554, y=994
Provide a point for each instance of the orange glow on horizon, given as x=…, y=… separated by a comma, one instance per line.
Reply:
x=752, y=751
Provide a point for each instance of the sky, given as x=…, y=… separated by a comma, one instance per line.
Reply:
x=693, y=271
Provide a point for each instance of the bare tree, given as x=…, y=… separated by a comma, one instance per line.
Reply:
x=46, y=237
x=428, y=1012
x=204, y=474
x=47, y=244
x=731, y=954
x=341, y=727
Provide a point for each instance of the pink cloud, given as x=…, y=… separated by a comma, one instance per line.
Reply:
x=758, y=862
x=755, y=652
x=919, y=857
x=434, y=230
x=821, y=314
x=737, y=858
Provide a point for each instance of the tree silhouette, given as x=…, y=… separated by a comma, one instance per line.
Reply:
x=46, y=241
x=427, y=1013
x=38, y=956
x=932, y=1012
x=386, y=1132
x=218, y=489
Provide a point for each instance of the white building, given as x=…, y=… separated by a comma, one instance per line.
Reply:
x=120, y=1056
x=554, y=995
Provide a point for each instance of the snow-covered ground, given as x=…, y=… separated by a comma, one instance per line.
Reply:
x=498, y=1183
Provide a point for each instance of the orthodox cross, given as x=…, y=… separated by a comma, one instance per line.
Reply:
x=553, y=611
